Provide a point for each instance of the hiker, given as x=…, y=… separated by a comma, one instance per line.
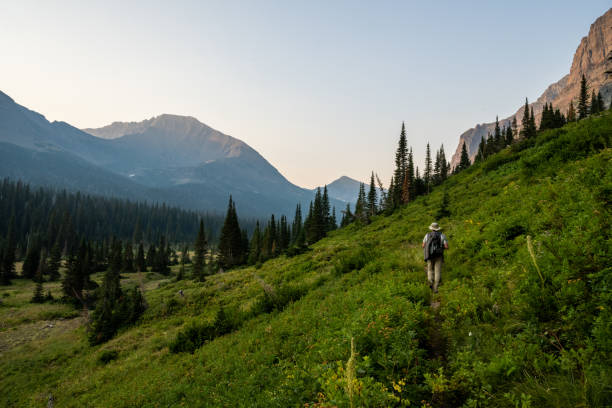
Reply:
x=434, y=244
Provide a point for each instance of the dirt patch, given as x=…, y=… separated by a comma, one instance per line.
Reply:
x=35, y=331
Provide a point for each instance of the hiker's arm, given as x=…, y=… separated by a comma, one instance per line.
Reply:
x=423, y=245
x=445, y=245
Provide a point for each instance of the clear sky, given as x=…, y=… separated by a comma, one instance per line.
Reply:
x=319, y=88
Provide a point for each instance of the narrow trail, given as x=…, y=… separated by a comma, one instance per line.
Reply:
x=436, y=343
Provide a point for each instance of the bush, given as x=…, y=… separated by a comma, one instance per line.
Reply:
x=107, y=356
x=272, y=299
x=196, y=335
x=352, y=261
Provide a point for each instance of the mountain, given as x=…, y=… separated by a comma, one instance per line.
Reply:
x=168, y=158
x=593, y=58
x=344, y=189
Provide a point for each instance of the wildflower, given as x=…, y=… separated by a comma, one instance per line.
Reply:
x=470, y=334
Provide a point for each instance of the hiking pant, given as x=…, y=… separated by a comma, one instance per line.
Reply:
x=434, y=272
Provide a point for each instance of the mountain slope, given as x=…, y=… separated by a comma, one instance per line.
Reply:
x=522, y=319
x=344, y=189
x=593, y=58
x=168, y=158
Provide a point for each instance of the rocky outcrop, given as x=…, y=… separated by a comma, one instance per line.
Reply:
x=593, y=58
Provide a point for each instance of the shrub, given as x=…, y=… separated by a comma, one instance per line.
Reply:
x=196, y=335
x=107, y=356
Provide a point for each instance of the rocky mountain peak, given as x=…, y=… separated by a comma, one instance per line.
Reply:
x=592, y=58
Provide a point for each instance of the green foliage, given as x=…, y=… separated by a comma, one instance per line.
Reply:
x=197, y=334
x=107, y=356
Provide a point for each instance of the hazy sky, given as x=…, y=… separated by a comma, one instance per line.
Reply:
x=319, y=88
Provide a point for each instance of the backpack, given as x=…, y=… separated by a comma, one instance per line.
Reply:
x=434, y=246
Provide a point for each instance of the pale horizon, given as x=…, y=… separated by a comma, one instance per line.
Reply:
x=319, y=90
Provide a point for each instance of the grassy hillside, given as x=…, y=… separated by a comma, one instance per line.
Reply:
x=523, y=318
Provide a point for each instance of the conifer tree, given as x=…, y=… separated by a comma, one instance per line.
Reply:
x=151, y=255
x=464, y=162
x=428, y=172
x=8, y=259
x=38, y=296
x=509, y=135
x=347, y=216
x=255, y=250
x=141, y=263
x=162, y=259
x=373, y=197
x=5, y=278
x=601, y=107
x=326, y=216
x=128, y=258
x=444, y=210
x=361, y=213
x=444, y=167
x=231, y=245
x=532, y=125
x=55, y=260
x=583, y=99
x=497, y=135
x=480, y=156
x=32, y=258
x=514, y=126
x=199, y=258
x=571, y=113
x=525, y=124
x=401, y=162
x=334, y=220
x=297, y=228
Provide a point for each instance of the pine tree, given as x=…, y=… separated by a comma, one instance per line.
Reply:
x=464, y=162
x=55, y=260
x=8, y=259
x=373, y=197
x=443, y=211
x=525, y=124
x=199, y=258
x=532, y=125
x=583, y=99
x=601, y=107
x=38, y=296
x=571, y=113
x=141, y=263
x=162, y=259
x=509, y=136
x=151, y=256
x=32, y=258
x=480, y=156
x=334, y=220
x=297, y=226
x=497, y=135
x=401, y=163
x=326, y=216
x=347, y=216
x=255, y=250
x=428, y=172
x=361, y=206
x=231, y=246
x=444, y=167
x=5, y=278
x=128, y=258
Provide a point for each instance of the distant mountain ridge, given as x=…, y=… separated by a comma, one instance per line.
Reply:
x=168, y=158
x=593, y=58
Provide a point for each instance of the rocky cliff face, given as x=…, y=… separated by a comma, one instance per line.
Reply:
x=593, y=58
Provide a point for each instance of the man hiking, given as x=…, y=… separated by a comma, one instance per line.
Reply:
x=434, y=244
